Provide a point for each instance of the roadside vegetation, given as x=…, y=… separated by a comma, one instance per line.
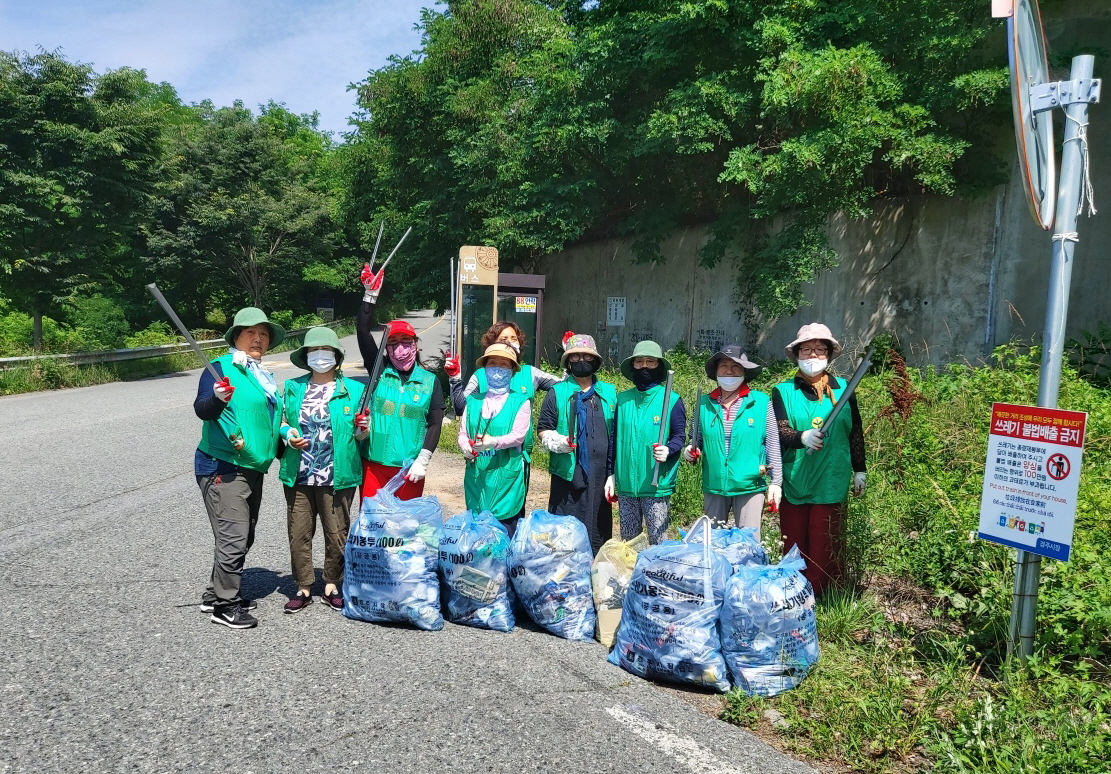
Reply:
x=914, y=673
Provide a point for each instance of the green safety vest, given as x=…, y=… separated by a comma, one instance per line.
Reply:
x=739, y=473
x=823, y=477
x=638, y=427
x=495, y=480
x=563, y=465
x=521, y=384
x=248, y=416
x=399, y=416
x=347, y=471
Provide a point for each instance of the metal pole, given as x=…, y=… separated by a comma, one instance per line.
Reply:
x=1024, y=605
x=451, y=302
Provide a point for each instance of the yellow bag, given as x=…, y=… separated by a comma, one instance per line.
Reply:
x=609, y=576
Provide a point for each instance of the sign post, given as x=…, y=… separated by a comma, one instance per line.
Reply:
x=477, y=298
x=1053, y=202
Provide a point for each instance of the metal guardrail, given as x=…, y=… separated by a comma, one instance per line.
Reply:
x=136, y=353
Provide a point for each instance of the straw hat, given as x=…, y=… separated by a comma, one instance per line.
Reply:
x=499, y=350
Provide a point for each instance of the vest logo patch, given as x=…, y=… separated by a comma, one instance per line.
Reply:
x=751, y=421
x=656, y=419
x=817, y=422
x=346, y=410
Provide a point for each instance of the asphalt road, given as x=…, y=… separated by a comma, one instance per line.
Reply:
x=108, y=665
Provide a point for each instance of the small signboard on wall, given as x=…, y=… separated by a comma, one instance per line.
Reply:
x=615, y=311
x=525, y=304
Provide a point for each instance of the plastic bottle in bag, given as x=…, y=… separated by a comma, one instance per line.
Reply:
x=768, y=627
x=474, y=562
x=609, y=577
x=668, y=628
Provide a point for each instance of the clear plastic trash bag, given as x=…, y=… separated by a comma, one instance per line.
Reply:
x=549, y=566
x=769, y=634
x=669, y=623
x=474, y=563
x=609, y=576
x=739, y=545
x=391, y=560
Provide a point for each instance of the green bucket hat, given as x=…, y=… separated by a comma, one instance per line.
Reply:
x=252, y=315
x=320, y=336
x=644, y=349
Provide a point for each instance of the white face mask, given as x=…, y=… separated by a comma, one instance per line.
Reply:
x=321, y=361
x=730, y=383
x=813, y=366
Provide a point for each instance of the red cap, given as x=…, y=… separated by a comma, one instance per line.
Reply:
x=399, y=328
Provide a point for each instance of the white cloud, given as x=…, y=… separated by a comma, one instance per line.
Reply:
x=300, y=52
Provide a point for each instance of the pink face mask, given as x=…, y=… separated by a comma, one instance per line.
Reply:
x=402, y=355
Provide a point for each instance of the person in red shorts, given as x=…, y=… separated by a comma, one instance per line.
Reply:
x=407, y=407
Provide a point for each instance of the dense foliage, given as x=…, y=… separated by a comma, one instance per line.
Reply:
x=532, y=126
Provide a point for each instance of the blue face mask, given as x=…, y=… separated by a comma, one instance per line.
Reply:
x=497, y=379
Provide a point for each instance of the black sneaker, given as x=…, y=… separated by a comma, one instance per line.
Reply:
x=247, y=604
x=234, y=617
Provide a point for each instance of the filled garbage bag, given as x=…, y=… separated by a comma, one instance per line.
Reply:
x=609, y=576
x=549, y=566
x=737, y=544
x=474, y=563
x=769, y=634
x=391, y=558
x=668, y=627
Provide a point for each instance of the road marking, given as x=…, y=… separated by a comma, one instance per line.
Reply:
x=433, y=325
x=683, y=749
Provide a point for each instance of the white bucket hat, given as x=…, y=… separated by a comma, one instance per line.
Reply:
x=813, y=331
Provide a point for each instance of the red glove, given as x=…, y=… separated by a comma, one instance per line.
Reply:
x=362, y=420
x=372, y=283
x=223, y=389
x=451, y=365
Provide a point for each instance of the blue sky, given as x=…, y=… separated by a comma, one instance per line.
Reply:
x=300, y=52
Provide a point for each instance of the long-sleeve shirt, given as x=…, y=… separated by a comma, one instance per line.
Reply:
x=368, y=347
x=459, y=392
x=790, y=438
x=491, y=405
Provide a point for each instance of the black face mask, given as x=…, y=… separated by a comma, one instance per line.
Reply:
x=644, y=378
x=582, y=368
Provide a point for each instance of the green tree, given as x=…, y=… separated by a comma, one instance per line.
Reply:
x=242, y=207
x=78, y=158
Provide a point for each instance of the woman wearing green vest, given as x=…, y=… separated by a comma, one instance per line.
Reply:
x=735, y=424
x=239, y=439
x=820, y=462
x=575, y=425
x=492, y=432
x=526, y=381
x=635, y=448
x=407, y=406
x=321, y=468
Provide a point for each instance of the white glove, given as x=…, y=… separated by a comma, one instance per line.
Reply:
x=812, y=439
x=223, y=390
x=419, y=468
x=775, y=494
x=691, y=454
x=239, y=358
x=487, y=442
x=859, y=483
x=659, y=452
x=609, y=490
x=469, y=454
x=554, y=442
x=372, y=283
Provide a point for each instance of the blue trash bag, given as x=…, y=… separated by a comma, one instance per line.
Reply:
x=474, y=562
x=669, y=623
x=391, y=558
x=738, y=544
x=768, y=630
x=549, y=565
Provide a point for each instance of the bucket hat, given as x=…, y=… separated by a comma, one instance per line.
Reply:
x=578, y=343
x=813, y=331
x=252, y=315
x=644, y=349
x=499, y=350
x=737, y=355
x=320, y=336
